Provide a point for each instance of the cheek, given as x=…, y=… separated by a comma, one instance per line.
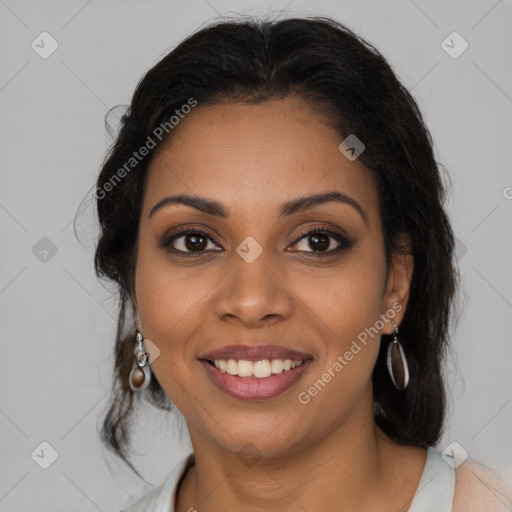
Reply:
x=346, y=307
x=167, y=302
x=167, y=294
x=348, y=298
x=174, y=302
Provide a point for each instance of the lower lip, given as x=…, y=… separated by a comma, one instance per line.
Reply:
x=252, y=388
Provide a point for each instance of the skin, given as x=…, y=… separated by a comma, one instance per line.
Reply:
x=304, y=457
x=480, y=488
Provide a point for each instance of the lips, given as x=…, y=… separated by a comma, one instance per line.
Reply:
x=254, y=353
x=262, y=385
x=247, y=388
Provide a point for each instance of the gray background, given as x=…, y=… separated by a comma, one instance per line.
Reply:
x=58, y=321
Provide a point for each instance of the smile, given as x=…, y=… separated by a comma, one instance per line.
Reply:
x=255, y=380
x=259, y=369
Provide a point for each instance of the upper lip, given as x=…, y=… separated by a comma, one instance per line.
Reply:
x=254, y=353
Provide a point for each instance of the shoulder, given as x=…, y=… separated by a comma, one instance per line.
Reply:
x=478, y=488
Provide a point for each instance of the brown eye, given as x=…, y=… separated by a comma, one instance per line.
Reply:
x=322, y=242
x=195, y=242
x=189, y=241
x=319, y=242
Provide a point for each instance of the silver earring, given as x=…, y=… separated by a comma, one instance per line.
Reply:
x=140, y=374
x=397, y=363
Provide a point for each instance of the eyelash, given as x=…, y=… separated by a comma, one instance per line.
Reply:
x=344, y=242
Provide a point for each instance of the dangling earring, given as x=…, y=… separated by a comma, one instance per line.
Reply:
x=397, y=363
x=140, y=374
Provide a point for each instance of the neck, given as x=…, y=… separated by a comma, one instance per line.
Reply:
x=349, y=467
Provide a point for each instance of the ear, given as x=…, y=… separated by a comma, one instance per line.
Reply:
x=398, y=284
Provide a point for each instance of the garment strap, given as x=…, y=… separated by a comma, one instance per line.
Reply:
x=437, y=484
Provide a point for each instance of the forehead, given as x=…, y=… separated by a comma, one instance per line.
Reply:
x=254, y=156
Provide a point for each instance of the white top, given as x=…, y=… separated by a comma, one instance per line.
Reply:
x=434, y=492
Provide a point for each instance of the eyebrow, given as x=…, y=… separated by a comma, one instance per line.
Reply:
x=300, y=204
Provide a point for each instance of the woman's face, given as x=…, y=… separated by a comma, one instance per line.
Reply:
x=252, y=276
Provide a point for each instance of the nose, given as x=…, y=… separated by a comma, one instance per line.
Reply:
x=253, y=294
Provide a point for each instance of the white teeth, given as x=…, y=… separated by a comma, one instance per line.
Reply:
x=231, y=367
x=245, y=368
x=259, y=369
x=276, y=365
x=262, y=369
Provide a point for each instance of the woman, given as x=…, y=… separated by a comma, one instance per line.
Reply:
x=272, y=213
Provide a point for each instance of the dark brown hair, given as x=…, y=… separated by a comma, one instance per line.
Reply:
x=349, y=83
